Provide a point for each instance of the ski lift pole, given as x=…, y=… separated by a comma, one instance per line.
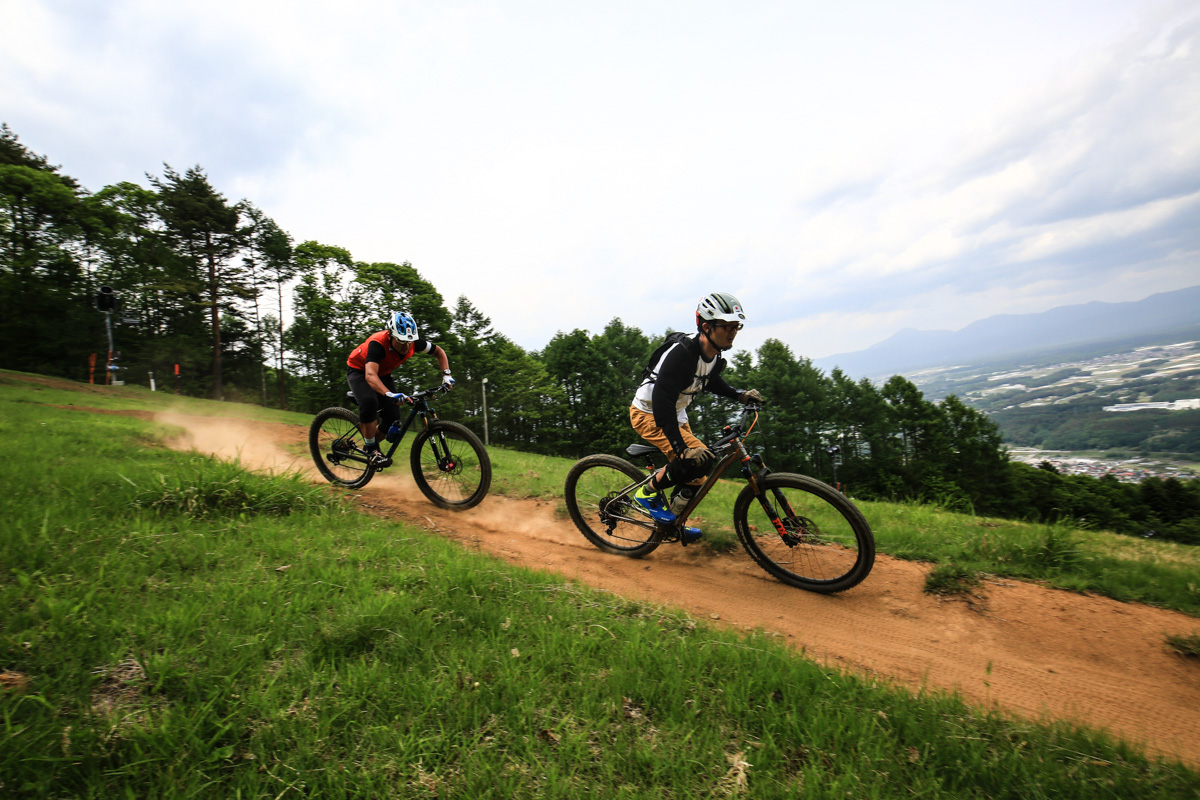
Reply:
x=109, y=366
x=485, y=425
x=833, y=459
x=106, y=301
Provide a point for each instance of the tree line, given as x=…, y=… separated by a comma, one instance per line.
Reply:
x=203, y=282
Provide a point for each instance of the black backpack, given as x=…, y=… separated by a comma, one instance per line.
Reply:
x=678, y=337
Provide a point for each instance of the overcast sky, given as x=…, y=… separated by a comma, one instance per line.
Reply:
x=846, y=169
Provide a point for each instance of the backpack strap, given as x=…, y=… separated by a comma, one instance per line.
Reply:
x=650, y=371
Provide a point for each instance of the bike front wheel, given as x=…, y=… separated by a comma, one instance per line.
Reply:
x=822, y=542
x=598, y=493
x=451, y=466
x=336, y=444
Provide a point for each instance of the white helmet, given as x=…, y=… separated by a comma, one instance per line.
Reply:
x=719, y=307
x=402, y=326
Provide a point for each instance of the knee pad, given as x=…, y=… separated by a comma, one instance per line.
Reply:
x=680, y=471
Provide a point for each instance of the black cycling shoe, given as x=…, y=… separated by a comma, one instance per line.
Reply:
x=377, y=459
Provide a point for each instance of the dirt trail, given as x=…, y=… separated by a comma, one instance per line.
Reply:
x=1027, y=650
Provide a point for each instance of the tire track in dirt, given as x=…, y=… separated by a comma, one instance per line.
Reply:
x=1028, y=651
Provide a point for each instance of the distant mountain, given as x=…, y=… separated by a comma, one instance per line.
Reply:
x=1011, y=337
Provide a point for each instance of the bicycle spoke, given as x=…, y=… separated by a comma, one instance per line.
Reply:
x=451, y=466
x=336, y=446
x=598, y=499
x=812, y=537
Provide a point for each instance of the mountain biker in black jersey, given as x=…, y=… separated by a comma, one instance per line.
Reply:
x=678, y=372
x=369, y=374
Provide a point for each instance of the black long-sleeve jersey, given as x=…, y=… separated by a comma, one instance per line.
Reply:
x=680, y=374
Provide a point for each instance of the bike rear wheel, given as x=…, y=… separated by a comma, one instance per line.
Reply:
x=601, y=507
x=336, y=444
x=451, y=466
x=826, y=545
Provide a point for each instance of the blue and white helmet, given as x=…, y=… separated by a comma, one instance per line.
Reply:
x=402, y=326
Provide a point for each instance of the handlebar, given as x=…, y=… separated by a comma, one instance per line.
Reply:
x=435, y=391
x=744, y=426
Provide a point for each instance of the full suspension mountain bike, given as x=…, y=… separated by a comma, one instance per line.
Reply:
x=800, y=530
x=449, y=464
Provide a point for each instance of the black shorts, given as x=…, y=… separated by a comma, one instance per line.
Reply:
x=371, y=404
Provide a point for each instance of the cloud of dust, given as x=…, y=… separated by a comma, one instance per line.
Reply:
x=250, y=443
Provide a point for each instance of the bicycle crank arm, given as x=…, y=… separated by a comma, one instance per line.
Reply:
x=336, y=459
x=611, y=520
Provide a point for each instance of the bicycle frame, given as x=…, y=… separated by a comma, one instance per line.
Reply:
x=420, y=407
x=752, y=468
x=812, y=537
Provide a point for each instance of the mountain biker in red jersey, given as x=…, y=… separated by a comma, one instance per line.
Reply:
x=370, y=376
x=659, y=409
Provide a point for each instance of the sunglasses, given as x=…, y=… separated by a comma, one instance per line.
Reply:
x=737, y=326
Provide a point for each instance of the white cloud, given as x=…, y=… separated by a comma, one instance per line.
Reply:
x=846, y=170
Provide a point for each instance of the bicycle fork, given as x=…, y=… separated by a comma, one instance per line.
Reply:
x=441, y=449
x=753, y=469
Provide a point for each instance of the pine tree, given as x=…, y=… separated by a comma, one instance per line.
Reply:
x=207, y=231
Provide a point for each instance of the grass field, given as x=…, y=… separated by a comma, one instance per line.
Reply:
x=173, y=626
x=1155, y=572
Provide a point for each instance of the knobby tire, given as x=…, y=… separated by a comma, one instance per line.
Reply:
x=336, y=444
x=827, y=545
x=457, y=480
x=593, y=488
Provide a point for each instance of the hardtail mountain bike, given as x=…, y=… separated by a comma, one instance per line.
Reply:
x=800, y=530
x=449, y=463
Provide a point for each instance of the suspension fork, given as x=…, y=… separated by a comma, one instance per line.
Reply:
x=754, y=478
x=437, y=442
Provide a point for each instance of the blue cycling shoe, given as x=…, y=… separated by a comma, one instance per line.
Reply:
x=654, y=504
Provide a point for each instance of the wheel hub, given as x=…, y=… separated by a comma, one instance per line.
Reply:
x=611, y=505
x=800, y=530
x=338, y=452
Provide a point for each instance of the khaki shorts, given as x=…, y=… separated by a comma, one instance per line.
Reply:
x=643, y=424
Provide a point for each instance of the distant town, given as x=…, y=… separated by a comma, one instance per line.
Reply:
x=1176, y=405
x=1127, y=386
x=1131, y=470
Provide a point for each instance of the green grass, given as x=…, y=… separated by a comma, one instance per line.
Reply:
x=1185, y=645
x=138, y=398
x=951, y=580
x=1160, y=573
x=1128, y=569
x=1157, y=573
x=173, y=627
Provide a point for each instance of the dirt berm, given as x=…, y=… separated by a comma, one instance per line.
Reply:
x=1027, y=650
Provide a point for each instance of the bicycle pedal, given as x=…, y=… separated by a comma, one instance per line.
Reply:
x=684, y=536
x=379, y=461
